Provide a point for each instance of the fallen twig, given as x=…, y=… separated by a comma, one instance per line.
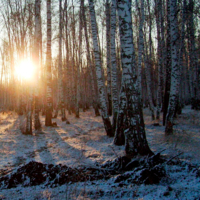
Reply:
x=174, y=157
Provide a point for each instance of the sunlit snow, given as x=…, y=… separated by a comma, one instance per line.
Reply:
x=84, y=142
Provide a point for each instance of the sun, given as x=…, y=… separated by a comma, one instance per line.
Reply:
x=25, y=70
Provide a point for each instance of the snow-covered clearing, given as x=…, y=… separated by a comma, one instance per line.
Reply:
x=84, y=142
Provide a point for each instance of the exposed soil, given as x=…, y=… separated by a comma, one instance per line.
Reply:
x=146, y=170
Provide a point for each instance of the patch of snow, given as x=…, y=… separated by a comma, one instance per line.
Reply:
x=84, y=142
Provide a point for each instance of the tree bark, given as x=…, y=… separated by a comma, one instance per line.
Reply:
x=134, y=131
x=36, y=57
x=114, y=78
x=167, y=66
x=49, y=100
x=99, y=75
x=108, y=47
x=175, y=68
x=60, y=103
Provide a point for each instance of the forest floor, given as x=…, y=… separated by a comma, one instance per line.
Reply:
x=84, y=143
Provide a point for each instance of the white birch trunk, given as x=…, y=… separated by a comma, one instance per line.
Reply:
x=131, y=115
x=61, y=103
x=94, y=93
x=114, y=79
x=175, y=68
x=99, y=75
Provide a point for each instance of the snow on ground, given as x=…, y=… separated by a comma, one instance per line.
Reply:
x=84, y=142
x=186, y=137
x=81, y=142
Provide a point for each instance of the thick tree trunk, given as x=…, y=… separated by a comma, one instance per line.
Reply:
x=175, y=68
x=135, y=138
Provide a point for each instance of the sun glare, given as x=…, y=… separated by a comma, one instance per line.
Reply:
x=25, y=70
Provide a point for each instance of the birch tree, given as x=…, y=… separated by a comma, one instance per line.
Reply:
x=67, y=72
x=49, y=102
x=140, y=46
x=160, y=59
x=148, y=63
x=131, y=114
x=80, y=60
x=182, y=47
x=174, y=89
x=167, y=64
x=99, y=75
x=93, y=91
x=108, y=38
x=114, y=79
x=194, y=79
x=60, y=101
x=36, y=57
x=60, y=70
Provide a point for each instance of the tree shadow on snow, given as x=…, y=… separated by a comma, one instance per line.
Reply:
x=22, y=145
